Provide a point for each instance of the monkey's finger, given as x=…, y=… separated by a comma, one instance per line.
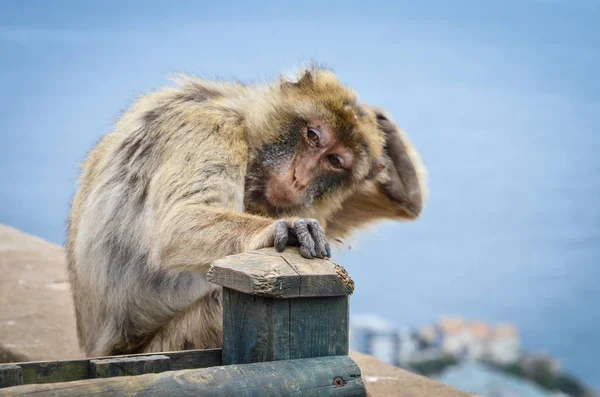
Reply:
x=305, y=238
x=281, y=235
x=305, y=252
x=292, y=239
x=319, y=237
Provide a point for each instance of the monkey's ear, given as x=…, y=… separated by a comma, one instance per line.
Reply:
x=307, y=78
x=304, y=80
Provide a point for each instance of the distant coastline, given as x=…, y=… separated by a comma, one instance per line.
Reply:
x=458, y=352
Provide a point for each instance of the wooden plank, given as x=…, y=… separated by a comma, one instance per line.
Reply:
x=271, y=274
x=255, y=328
x=125, y=366
x=318, y=327
x=324, y=376
x=260, y=275
x=190, y=359
x=10, y=375
x=54, y=371
x=71, y=370
x=319, y=277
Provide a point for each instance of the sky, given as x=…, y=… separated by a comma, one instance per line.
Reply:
x=501, y=98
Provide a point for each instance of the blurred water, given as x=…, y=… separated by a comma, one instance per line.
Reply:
x=501, y=99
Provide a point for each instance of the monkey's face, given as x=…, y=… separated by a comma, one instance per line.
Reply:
x=310, y=163
x=327, y=144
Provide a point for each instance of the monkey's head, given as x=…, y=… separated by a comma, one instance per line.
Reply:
x=319, y=143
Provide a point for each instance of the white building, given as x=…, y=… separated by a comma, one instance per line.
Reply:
x=504, y=345
x=373, y=335
x=408, y=346
x=453, y=336
x=476, y=340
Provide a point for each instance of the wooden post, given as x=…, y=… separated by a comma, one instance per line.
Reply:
x=281, y=306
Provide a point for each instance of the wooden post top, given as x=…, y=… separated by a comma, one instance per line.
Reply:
x=286, y=274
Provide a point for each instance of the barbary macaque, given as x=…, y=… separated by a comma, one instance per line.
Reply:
x=208, y=169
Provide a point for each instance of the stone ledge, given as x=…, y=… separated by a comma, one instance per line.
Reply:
x=383, y=379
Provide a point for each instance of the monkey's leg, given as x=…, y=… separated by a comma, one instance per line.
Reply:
x=197, y=327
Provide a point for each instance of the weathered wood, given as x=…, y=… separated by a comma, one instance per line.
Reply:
x=54, y=371
x=259, y=329
x=123, y=366
x=71, y=370
x=190, y=359
x=281, y=306
x=272, y=274
x=255, y=328
x=325, y=376
x=10, y=375
x=318, y=327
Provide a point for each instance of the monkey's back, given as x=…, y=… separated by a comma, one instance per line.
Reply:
x=120, y=302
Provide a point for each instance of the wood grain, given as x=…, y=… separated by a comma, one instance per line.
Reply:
x=259, y=329
x=271, y=274
x=71, y=370
x=128, y=366
x=324, y=376
x=10, y=375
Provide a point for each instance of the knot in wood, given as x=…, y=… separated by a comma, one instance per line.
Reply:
x=338, y=381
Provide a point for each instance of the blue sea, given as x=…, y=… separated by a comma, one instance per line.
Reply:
x=501, y=98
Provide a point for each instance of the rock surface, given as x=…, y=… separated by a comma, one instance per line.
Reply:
x=36, y=311
x=383, y=379
x=37, y=320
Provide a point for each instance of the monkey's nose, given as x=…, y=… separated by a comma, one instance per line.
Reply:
x=298, y=182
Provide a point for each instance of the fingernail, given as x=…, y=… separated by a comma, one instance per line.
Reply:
x=324, y=253
x=313, y=252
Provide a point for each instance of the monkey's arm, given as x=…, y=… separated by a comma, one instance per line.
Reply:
x=398, y=192
x=192, y=235
x=198, y=216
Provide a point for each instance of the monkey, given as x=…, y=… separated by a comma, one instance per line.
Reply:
x=204, y=169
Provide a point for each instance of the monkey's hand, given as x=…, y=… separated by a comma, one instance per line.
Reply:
x=399, y=180
x=304, y=233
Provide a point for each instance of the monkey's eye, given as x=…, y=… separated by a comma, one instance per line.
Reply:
x=314, y=136
x=336, y=161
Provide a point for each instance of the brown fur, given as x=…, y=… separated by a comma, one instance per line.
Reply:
x=171, y=189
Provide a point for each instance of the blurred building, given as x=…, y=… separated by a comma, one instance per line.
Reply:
x=452, y=336
x=504, y=344
x=476, y=339
x=373, y=335
x=408, y=346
